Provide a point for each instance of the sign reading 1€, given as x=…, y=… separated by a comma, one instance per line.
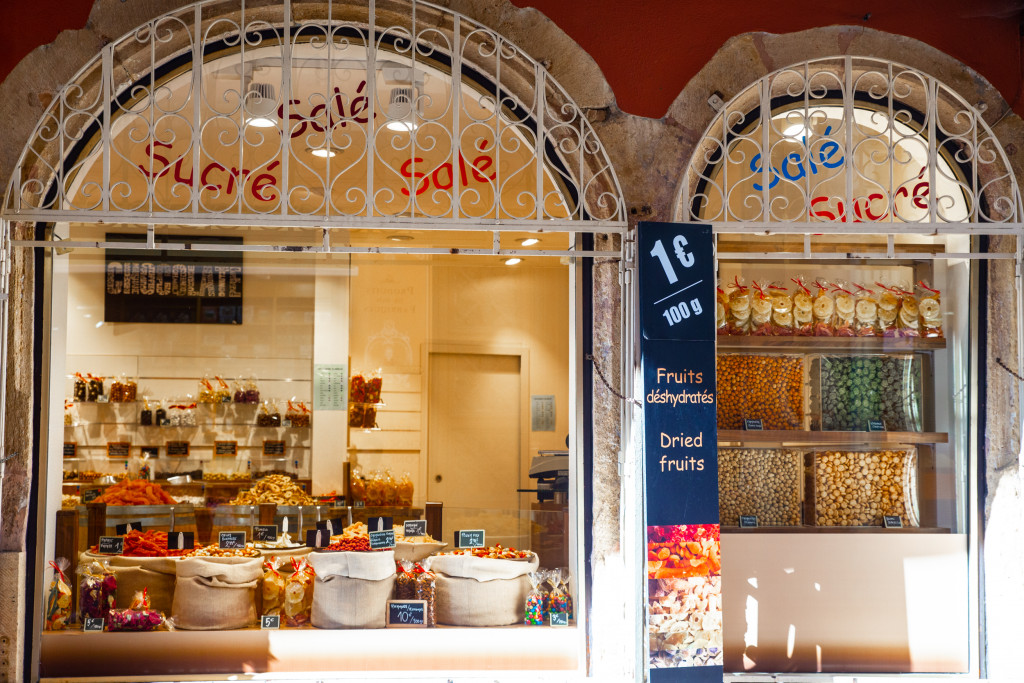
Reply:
x=676, y=281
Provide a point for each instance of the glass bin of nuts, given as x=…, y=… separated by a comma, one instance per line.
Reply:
x=861, y=488
x=765, y=482
x=851, y=391
x=769, y=388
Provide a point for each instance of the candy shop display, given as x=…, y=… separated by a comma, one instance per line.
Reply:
x=298, y=593
x=766, y=388
x=96, y=590
x=857, y=389
x=149, y=543
x=273, y=586
x=859, y=488
x=138, y=617
x=535, y=613
x=136, y=492
x=764, y=482
x=58, y=597
x=275, y=488
x=426, y=590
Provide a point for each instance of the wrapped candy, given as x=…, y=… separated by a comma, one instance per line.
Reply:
x=426, y=589
x=405, y=581
x=739, y=308
x=131, y=390
x=80, y=391
x=865, y=312
x=93, y=388
x=930, y=307
x=97, y=590
x=222, y=394
x=273, y=587
x=560, y=602
x=138, y=617
x=146, y=414
x=207, y=394
x=824, y=309
x=760, y=312
x=908, y=323
x=803, y=310
x=159, y=415
x=888, y=303
x=247, y=392
x=268, y=415
x=846, y=307
x=782, y=311
x=58, y=598
x=298, y=594
x=533, y=613
x=297, y=414
x=117, y=391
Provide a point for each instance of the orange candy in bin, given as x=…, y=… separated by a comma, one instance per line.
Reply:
x=136, y=492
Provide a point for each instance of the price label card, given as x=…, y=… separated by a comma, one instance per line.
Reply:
x=273, y=447
x=876, y=426
x=90, y=495
x=122, y=529
x=892, y=522
x=748, y=521
x=414, y=527
x=559, y=619
x=318, y=538
x=264, y=533
x=181, y=540
x=470, y=538
x=70, y=449
x=231, y=539
x=406, y=613
x=334, y=526
x=381, y=540
x=226, y=449
x=380, y=523
x=270, y=621
x=753, y=425
x=677, y=281
x=92, y=625
x=111, y=545
x=118, y=449
x=178, y=449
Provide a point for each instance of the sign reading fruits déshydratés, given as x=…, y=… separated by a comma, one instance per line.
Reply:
x=683, y=556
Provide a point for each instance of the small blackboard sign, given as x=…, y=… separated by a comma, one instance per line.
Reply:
x=181, y=540
x=317, y=538
x=334, y=525
x=748, y=521
x=231, y=539
x=273, y=448
x=270, y=621
x=70, y=449
x=92, y=625
x=225, y=448
x=414, y=527
x=470, y=538
x=753, y=425
x=876, y=426
x=119, y=449
x=111, y=545
x=381, y=540
x=264, y=533
x=380, y=523
x=177, y=448
x=407, y=613
x=559, y=618
x=122, y=529
x=90, y=495
x=892, y=522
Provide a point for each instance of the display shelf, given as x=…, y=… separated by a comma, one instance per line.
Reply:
x=832, y=344
x=795, y=437
x=833, y=530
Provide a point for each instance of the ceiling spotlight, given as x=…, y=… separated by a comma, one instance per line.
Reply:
x=322, y=152
x=529, y=241
x=513, y=261
x=400, y=110
x=261, y=105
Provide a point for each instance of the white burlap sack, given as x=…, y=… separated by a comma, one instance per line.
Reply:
x=475, y=591
x=155, y=574
x=216, y=592
x=352, y=590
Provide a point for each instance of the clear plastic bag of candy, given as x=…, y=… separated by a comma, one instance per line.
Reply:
x=207, y=392
x=824, y=309
x=560, y=602
x=268, y=415
x=426, y=589
x=865, y=312
x=760, y=311
x=80, y=391
x=930, y=308
x=739, y=308
x=908, y=321
x=846, y=308
x=405, y=581
x=888, y=310
x=721, y=311
x=97, y=590
x=357, y=484
x=138, y=617
x=93, y=388
x=298, y=593
x=58, y=598
x=533, y=611
x=273, y=586
x=803, y=309
x=405, y=490
x=782, y=311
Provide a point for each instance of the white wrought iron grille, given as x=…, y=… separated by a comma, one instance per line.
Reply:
x=316, y=114
x=873, y=145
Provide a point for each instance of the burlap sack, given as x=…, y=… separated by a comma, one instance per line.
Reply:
x=352, y=590
x=216, y=592
x=474, y=591
x=155, y=574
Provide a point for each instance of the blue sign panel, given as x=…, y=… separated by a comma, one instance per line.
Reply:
x=677, y=281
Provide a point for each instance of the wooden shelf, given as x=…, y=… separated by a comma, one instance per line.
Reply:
x=832, y=530
x=804, y=438
x=833, y=344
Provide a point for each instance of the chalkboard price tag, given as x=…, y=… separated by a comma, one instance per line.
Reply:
x=559, y=618
x=382, y=540
x=90, y=495
x=359, y=504
x=677, y=281
x=178, y=449
x=407, y=613
x=181, y=540
x=748, y=521
x=231, y=539
x=122, y=529
x=270, y=621
x=70, y=449
x=111, y=545
x=92, y=625
x=753, y=425
x=118, y=449
x=318, y=538
x=876, y=426
x=469, y=538
x=151, y=451
x=892, y=522
x=273, y=448
x=414, y=527
x=264, y=533
x=225, y=448
x=380, y=523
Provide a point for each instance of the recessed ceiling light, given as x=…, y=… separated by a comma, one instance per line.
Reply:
x=512, y=261
x=529, y=241
x=260, y=122
x=399, y=238
x=400, y=126
x=322, y=152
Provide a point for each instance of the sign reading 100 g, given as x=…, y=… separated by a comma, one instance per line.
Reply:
x=673, y=305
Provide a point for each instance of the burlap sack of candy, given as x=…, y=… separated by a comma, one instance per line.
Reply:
x=216, y=592
x=352, y=590
x=156, y=574
x=476, y=591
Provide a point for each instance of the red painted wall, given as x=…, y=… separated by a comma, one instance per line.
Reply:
x=649, y=49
